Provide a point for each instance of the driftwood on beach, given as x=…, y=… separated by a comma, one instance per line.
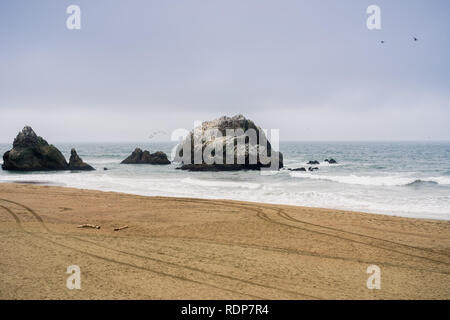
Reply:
x=88, y=226
x=120, y=228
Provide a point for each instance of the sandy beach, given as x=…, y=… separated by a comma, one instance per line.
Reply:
x=179, y=248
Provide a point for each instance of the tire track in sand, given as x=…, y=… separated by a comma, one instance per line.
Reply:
x=155, y=260
x=279, y=212
x=340, y=237
x=117, y=261
x=255, y=207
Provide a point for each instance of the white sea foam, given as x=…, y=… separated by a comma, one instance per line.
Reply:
x=394, y=180
x=296, y=164
x=222, y=183
x=444, y=180
x=94, y=161
x=408, y=208
x=276, y=192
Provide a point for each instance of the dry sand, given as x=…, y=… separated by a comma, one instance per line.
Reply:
x=178, y=248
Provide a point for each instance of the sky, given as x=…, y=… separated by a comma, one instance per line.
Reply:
x=311, y=68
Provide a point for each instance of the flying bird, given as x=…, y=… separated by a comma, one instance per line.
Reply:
x=155, y=133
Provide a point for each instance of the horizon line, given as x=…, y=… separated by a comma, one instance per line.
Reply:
x=281, y=141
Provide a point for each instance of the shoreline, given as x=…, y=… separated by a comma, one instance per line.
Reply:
x=62, y=185
x=186, y=248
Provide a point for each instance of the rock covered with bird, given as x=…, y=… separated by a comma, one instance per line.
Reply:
x=211, y=147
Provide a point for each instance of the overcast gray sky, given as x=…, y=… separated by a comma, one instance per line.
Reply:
x=310, y=68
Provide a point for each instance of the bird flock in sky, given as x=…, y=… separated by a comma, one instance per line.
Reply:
x=414, y=38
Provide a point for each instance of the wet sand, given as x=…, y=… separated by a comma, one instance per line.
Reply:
x=176, y=248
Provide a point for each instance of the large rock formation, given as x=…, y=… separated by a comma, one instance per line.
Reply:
x=32, y=153
x=227, y=143
x=76, y=163
x=145, y=157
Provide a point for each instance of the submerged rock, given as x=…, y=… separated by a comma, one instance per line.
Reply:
x=298, y=169
x=246, y=148
x=32, y=153
x=313, y=162
x=145, y=157
x=331, y=161
x=76, y=163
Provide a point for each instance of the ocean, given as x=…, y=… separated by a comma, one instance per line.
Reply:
x=406, y=179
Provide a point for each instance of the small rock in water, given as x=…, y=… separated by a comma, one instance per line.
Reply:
x=312, y=169
x=145, y=157
x=313, y=162
x=76, y=163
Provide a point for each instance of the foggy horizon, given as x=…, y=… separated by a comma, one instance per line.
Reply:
x=312, y=70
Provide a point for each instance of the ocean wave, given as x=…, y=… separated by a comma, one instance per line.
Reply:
x=221, y=184
x=425, y=207
x=373, y=180
x=296, y=164
x=102, y=160
x=419, y=182
x=441, y=180
x=290, y=191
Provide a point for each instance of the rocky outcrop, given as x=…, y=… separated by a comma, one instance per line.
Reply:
x=159, y=157
x=331, y=161
x=32, y=153
x=247, y=148
x=313, y=162
x=298, y=169
x=145, y=157
x=76, y=163
x=313, y=168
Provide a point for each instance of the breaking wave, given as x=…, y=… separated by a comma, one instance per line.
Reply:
x=374, y=180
